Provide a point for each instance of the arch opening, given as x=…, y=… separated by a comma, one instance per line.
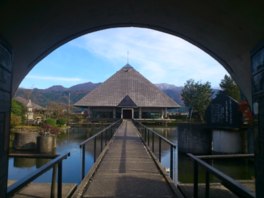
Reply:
x=70, y=38
x=228, y=29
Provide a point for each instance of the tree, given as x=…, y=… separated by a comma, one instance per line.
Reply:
x=15, y=120
x=230, y=88
x=17, y=113
x=197, y=96
x=56, y=110
x=50, y=121
x=61, y=121
x=17, y=108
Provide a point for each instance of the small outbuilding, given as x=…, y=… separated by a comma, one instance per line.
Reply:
x=225, y=119
x=127, y=94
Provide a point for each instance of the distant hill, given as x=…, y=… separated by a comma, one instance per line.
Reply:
x=173, y=91
x=58, y=93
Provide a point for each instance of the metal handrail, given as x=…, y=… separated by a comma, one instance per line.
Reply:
x=157, y=134
x=225, y=156
x=173, y=148
x=92, y=137
x=101, y=133
x=11, y=190
x=227, y=181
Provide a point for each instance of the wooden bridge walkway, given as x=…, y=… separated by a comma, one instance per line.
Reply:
x=126, y=170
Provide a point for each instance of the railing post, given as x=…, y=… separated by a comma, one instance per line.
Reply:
x=21, y=183
x=145, y=134
x=173, y=151
x=101, y=136
x=195, y=179
x=53, y=190
x=159, y=149
x=175, y=164
x=171, y=162
x=227, y=181
x=83, y=160
x=207, y=184
x=148, y=137
x=153, y=142
x=111, y=132
x=94, y=149
x=59, y=179
x=108, y=135
x=105, y=138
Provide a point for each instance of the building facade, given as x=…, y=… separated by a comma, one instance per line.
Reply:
x=127, y=94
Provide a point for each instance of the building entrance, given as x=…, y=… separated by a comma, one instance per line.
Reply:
x=127, y=113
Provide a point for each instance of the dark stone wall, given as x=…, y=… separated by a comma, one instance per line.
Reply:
x=5, y=101
x=259, y=149
x=194, y=138
x=257, y=69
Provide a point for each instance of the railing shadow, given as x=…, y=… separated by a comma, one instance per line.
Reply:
x=104, y=136
x=148, y=136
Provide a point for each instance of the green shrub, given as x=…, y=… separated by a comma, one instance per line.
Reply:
x=15, y=120
x=61, y=122
x=50, y=121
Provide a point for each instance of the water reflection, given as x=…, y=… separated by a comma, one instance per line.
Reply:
x=24, y=162
x=197, y=140
x=40, y=162
x=68, y=141
x=190, y=139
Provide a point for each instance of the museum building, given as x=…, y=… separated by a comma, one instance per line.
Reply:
x=129, y=95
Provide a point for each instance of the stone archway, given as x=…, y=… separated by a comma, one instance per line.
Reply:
x=29, y=30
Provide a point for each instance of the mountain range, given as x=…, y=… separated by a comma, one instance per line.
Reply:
x=60, y=94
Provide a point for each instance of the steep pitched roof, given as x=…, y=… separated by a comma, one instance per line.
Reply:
x=127, y=82
x=127, y=102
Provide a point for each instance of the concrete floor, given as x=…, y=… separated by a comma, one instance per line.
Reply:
x=42, y=190
x=217, y=190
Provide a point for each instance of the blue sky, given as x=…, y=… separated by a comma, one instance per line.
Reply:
x=160, y=57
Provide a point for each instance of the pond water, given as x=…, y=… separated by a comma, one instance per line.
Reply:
x=66, y=142
x=190, y=139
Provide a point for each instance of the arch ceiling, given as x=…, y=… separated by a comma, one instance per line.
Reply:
x=227, y=30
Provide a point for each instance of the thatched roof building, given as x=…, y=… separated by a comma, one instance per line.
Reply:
x=127, y=94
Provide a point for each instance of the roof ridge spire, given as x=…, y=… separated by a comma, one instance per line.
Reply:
x=127, y=57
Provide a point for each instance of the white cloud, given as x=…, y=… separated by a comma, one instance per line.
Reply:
x=158, y=56
x=53, y=78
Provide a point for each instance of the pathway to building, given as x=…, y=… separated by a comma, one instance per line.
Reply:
x=126, y=170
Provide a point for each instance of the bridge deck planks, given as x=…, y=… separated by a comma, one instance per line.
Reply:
x=127, y=169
